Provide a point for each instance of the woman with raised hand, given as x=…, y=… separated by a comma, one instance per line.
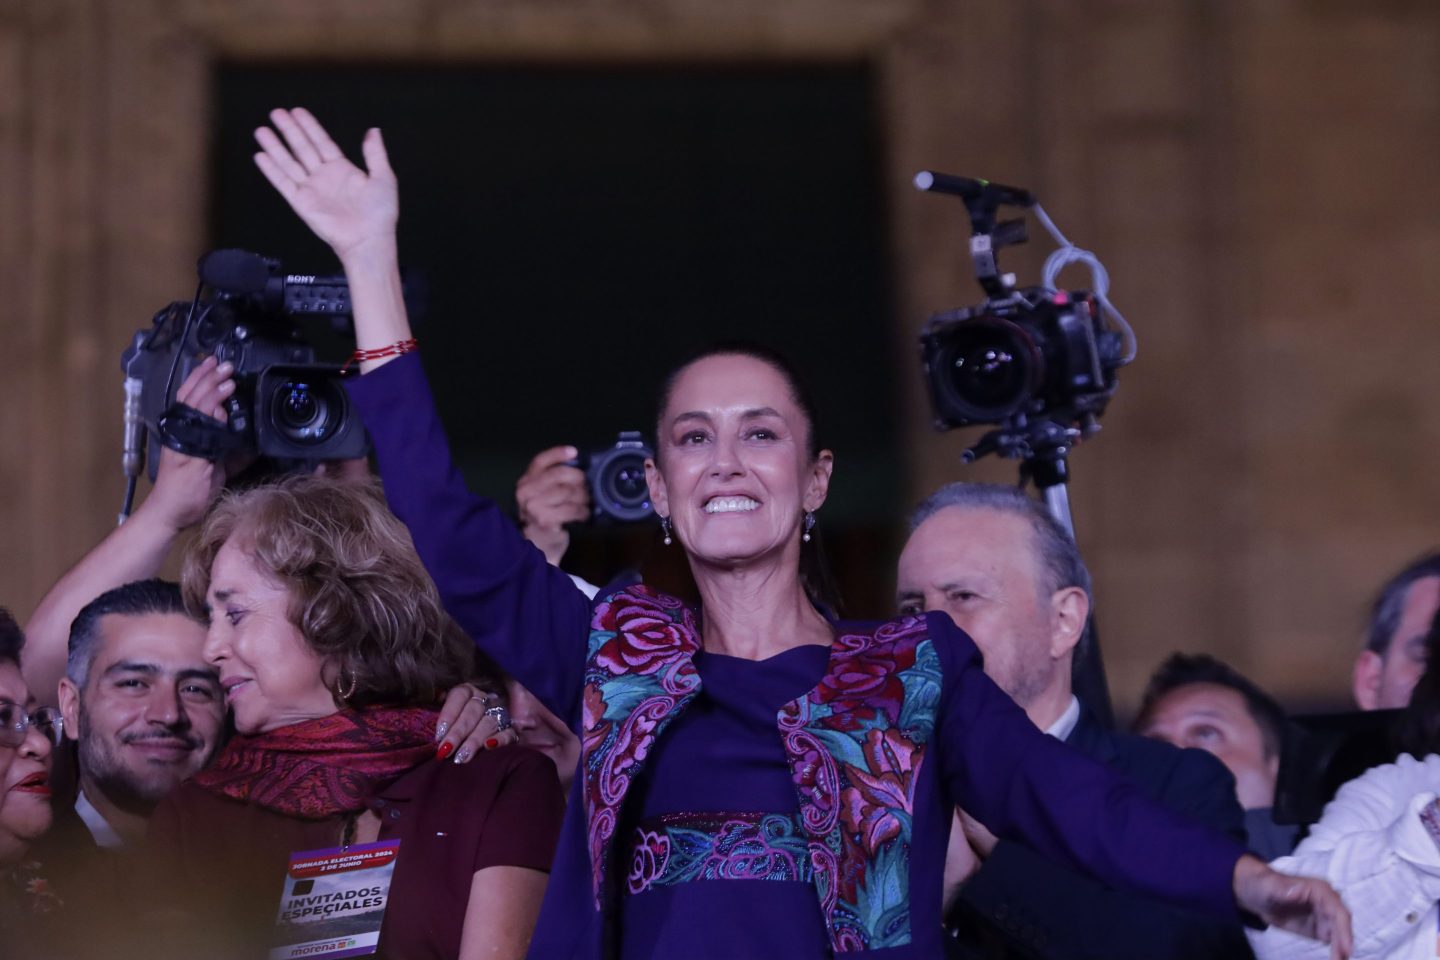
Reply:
x=334, y=654
x=755, y=779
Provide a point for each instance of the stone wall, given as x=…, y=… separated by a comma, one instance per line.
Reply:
x=1258, y=176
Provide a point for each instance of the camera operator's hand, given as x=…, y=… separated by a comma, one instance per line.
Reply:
x=550, y=494
x=135, y=550
x=352, y=210
x=185, y=486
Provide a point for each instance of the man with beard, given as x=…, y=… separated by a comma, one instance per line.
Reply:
x=143, y=705
x=1010, y=577
x=146, y=712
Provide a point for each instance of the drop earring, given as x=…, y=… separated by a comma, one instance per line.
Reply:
x=809, y=525
x=665, y=529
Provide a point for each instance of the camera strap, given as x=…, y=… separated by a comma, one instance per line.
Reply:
x=187, y=430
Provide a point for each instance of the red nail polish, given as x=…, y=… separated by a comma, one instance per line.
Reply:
x=445, y=750
x=491, y=744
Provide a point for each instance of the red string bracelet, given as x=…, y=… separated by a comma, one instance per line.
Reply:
x=379, y=353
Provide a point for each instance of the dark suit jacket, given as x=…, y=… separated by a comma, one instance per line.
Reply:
x=95, y=888
x=1020, y=904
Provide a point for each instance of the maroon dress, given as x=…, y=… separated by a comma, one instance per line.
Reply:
x=218, y=864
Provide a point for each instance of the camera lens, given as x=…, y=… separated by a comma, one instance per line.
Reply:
x=989, y=368
x=302, y=410
x=622, y=488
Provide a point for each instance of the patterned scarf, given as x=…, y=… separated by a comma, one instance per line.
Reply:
x=320, y=768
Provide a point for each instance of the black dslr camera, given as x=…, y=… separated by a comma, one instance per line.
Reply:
x=287, y=408
x=618, y=491
x=1037, y=361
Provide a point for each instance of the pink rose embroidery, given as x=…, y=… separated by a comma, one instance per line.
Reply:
x=652, y=853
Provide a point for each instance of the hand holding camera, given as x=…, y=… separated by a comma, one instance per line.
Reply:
x=185, y=486
x=551, y=493
x=562, y=486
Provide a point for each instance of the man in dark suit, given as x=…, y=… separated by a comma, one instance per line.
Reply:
x=1010, y=577
x=143, y=711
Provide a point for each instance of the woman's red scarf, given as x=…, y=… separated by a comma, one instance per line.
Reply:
x=321, y=768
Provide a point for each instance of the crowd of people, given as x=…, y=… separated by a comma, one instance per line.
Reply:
x=380, y=718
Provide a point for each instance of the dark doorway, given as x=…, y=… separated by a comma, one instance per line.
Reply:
x=582, y=228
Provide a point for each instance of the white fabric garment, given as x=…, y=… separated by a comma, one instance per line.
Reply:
x=105, y=836
x=586, y=587
x=1064, y=725
x=1372, y=847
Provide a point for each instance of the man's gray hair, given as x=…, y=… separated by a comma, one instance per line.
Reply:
x=1056, y=552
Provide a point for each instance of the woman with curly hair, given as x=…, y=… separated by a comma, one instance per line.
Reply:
x=333, y=652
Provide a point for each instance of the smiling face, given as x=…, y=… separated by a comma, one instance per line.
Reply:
x=271, y=677
x=24, y=776
x=1215, y=718
x=734, y=471
x=150, y=714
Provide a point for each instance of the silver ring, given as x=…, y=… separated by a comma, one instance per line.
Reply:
x=502, y=718
x=484, y=699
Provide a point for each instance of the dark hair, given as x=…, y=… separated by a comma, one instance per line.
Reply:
x=1389, y=604
x=1419, y=730
x=12, y=638
x=358, y=592
x=815, y=573
x=1184, y=669
x=129, y=600
x=755, y=351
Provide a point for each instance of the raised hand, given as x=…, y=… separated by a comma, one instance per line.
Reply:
x=1305, y=905
x=353, y=210
x=347, y=207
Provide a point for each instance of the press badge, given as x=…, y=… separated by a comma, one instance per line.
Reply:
x=334, y=901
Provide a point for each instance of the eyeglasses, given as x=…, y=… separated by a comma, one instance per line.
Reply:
x=15, y=724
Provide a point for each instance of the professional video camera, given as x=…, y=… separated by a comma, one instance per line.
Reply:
x=1038, y=361
x=287, y=408
x=616, y=474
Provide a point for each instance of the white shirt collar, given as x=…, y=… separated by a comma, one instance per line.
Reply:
x=105, y=836
x=1063, y=727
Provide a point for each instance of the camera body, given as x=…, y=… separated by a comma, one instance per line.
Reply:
x=1039, y=363
x=287, y=408
x=1032, y=353
x=618, y=491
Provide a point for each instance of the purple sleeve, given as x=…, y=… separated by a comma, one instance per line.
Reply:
x=518, y=608
x=1026, y=785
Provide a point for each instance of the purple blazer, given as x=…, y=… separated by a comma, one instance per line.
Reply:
x=904, y=726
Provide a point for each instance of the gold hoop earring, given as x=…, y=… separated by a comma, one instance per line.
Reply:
x=345, y=695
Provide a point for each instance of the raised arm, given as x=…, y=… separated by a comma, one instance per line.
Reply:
x=135, y=550
x=1025, y=785
x=353, y=210
x=519, y=609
